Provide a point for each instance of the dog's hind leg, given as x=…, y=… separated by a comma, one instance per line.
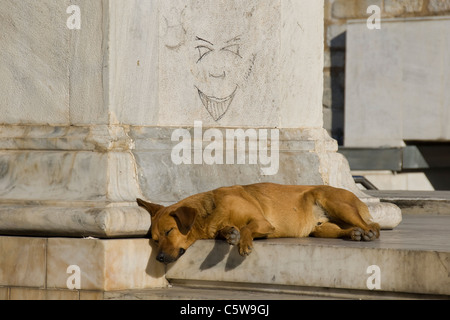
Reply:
x=350, y=214
x=346, y=210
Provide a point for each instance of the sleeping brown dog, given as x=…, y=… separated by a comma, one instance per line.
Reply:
x=239, y=214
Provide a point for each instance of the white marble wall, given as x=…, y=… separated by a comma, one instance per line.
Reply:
x=50, y=74
x=132, y=80
x=138, y=63
x=241, y=63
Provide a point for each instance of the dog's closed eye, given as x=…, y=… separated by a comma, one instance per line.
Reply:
x=166, y=233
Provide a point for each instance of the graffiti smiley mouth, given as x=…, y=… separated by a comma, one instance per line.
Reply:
x=217, y=107
x=218, y=76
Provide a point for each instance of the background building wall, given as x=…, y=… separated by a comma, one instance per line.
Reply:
x=337, y=12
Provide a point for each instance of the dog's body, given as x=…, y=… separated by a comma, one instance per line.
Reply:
x=239, y=214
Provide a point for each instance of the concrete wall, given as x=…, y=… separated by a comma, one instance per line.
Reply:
x=397, y=82
x=337, y=12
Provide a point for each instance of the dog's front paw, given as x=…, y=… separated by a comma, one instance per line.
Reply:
x=233, y=236
x=245, y=248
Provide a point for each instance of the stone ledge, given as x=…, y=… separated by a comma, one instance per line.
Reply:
x=416, y=202
x=74, y=221
x=413, y=259
x=122, y=138
x=100, y=138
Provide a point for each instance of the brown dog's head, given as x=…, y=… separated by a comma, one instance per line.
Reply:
x=170, y=229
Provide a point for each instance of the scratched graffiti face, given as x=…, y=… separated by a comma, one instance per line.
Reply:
x=223, y=53
x=222, y=45
x=219, y=68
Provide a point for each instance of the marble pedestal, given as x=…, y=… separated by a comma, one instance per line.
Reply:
x=90, y=115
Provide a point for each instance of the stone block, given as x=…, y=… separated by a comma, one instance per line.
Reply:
x=4, y=294
x=397, y=7
x=38, y=268
x=49, y=175
x=439, y=5
x=105, y=265
x=23, y=262
x=350, y=9
x=395, y=80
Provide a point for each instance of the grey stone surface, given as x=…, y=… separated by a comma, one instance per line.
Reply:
x=395, y=82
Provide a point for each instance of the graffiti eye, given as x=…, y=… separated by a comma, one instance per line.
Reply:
x=203, y=51
x=234, y=48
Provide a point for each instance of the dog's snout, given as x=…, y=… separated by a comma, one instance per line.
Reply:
x=166, y=258
x=160, y=257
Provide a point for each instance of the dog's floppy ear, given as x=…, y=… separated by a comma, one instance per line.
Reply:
x=153, y=208
x=185, y=217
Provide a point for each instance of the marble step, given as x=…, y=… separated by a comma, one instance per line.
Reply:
x=229, y=292
x=416, y=202
x=181, y=292
x=413, y=259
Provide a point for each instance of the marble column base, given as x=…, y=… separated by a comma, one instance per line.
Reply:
x=74, y=220
x=83, y=181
